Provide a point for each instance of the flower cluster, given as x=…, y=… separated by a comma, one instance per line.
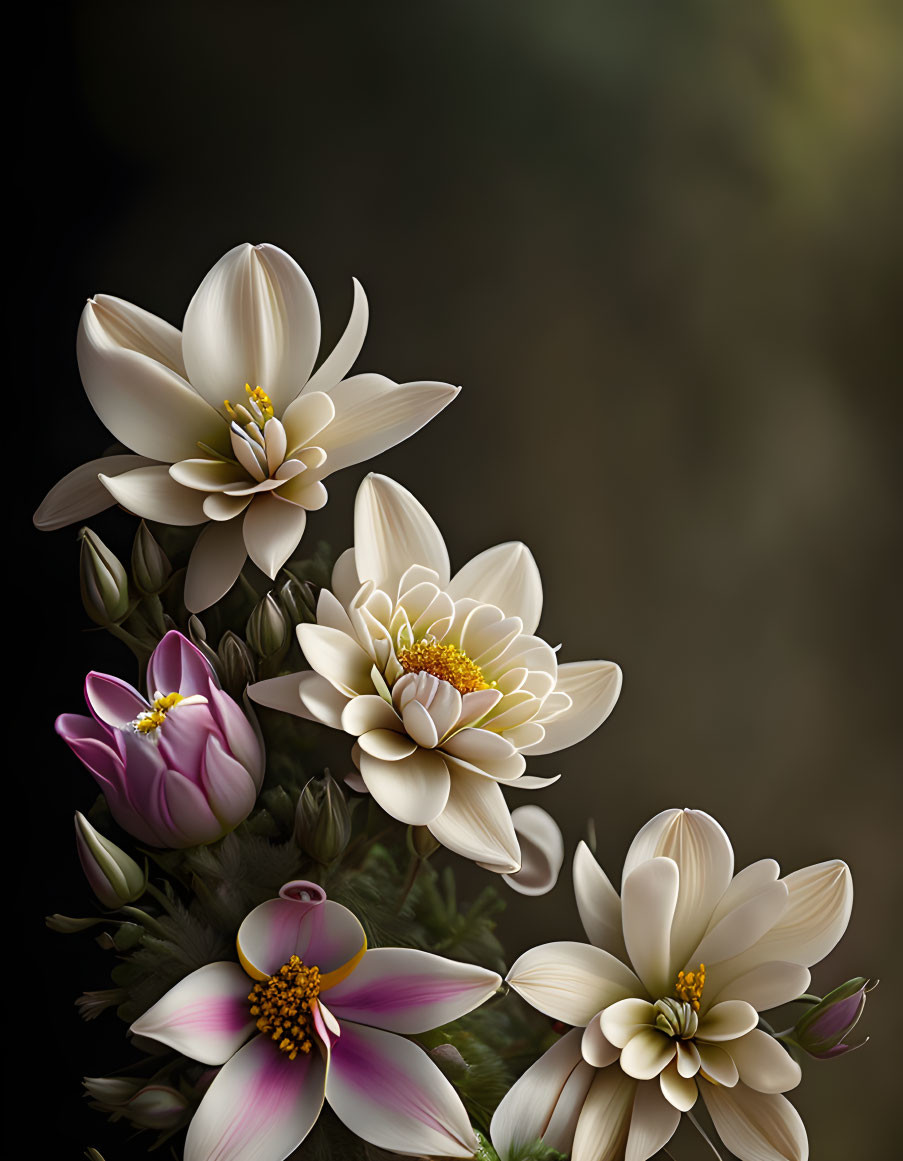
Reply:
x=278, y=931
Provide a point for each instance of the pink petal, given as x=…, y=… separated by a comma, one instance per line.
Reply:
x=113, y=701
x=321, y=933
x=410, y=991
x=389, y=1092
x=176, y=666
x=227, y=785
x=260, y=1106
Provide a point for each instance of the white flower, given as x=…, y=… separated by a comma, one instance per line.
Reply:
x=441, y=680
x=228, y=423
x=707, y=951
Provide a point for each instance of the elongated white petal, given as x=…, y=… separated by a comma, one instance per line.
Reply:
x=571, y=981
x=817, y=914
x=595, y=1046
x=205, y=1016
x=373, y=413
x=763, y=1063
x=756, y=1126
x=341, y=359
x=527, y=1110
x=768, y=985
x=605, y=1120
x=129, y=327
x=648, y=902
x=743, y=926
x=80, y=493
x=414, y=789
x=260, y=1106
x=476, y=823
x=388, y=1091
x=680, y=1091
x=254, y=319
x=345, y=579
x=144, y=403
x=593, y=687
x=705, y=859
x=214, y=564
x=646, y=1053
x=337, y=657
x=305, y=418
x=409, y=991
x=744, y=886
x=598, y=902
x=653, y=1122
x=541, y=850
x=272, y=528
x=505, y=576
x=727, y=1021
x=716, y=1065
x=392, y=531
x=153, y=494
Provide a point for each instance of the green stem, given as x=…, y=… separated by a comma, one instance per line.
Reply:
x=147, y=922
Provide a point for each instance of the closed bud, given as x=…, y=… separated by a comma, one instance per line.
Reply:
x=69, y=925
x=298, y=601
x=104, y=584
x=157, y=1106
x=267, y=629
x=112, y=1090
x=113, y=876
x=450, y=1061
x=421, y=843
x=322, y=819
x=151, y=569
x=823, y=1031
x=235, y=664
x=197, y=635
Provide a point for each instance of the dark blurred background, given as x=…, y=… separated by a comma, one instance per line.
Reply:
x=657, y=245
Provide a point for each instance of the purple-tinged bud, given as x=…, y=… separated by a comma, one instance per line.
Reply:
x=823, y=1031
x=113, y=876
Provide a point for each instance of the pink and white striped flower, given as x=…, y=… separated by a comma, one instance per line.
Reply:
x=442, y=680
x=665, y=1000
x=178, y=768
x=250, y=468
x=310, y=1014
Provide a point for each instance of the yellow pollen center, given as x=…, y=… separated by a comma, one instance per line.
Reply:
x=152, y=719
x=446, y=662
x=261, y=408
x=282, y=1003
x=689, y=987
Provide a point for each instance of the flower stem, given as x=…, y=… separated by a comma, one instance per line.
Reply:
x=701, y=1131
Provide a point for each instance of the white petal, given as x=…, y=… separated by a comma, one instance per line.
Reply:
x=392, y=531
x=705, y=859
x=727, y=1021
x=216, y=560
x=768, y=985
x=260, y=1106
x=320, y=700
x=153, y=494
x=619, y=1022
x=205, y=1015
x=80, y=493
x=648, y=901
x=541, y=849
x=388, y=1091
x=756, y=1126
x=388, y=745
x=505, y=576
x=370, y=712
x=743, y=926
x=571, y=981
x=593, y=687
x=281, y=693
x=652, y=1123
x=341, y=359
x=595, y=1046
x=254, y=319
x=337, y=657
x=372, y=414
x=206, y=475
x=763, y=1063
x=122, y=324
x=413, y=789
x=272, y=528
x=717, y=1065
x=345, y=579
x=527, y=1110
x=647, y=1053
x=597, y=902
x=142, y=402
x=817, y=914
x=605, y=1120
x=745, y=885
x=476, y=823
x=679, y=1091
x=305, y=418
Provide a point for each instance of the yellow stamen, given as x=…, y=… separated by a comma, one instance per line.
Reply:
x=258, y=398
x=153, y=718
x=446, y=662
x=689, y=987
x=282, y=1006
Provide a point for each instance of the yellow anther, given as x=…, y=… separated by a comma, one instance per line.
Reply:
x=152, y=719
x=447, y=662
x=689, y=987
x=261, y=408
x=259, y=396
x=281, y=1006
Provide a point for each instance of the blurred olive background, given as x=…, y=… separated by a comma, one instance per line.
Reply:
x=657, y=244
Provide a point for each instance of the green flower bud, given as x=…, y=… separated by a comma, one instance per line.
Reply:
x=299, y=603
x=112, y=1090
x=322, y=819
x=235, y=664
x=824, y=1030
x=267, y=629
x=113, y=876
x=157, y=1106
x=104, y=584
x=150, y=565
x=421, y=843
x=197, y=634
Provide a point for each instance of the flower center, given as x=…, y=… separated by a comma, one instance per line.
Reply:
x=282, y=1006
x=689, y=987
x=676, y=1018
x=254, y=412
x=446, y=662
x=153, y=719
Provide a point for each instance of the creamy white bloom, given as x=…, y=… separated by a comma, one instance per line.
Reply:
x=665, y=1000
x=441, y=679
x=228, y=424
